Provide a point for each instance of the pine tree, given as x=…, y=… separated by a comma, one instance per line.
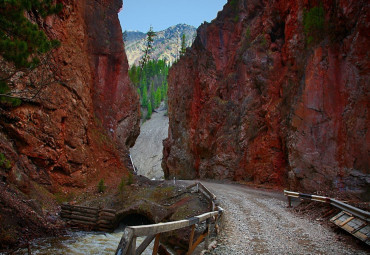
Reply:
x=124, y=36
x=158, y=97
x=144, y=100
x=21, y=41
x=149, y=47
x=149, y=113
x=183, y=45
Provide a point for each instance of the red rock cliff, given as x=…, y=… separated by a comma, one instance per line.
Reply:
x=68, y=137
x=254, y=99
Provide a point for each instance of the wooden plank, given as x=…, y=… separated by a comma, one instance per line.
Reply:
x=82, y=210
x=104, y=222
x=154, y=229
x=106, y=210
x=66, y=215
x=79, y=207
x=346, y=221
x=133, y=246
x=197, y=242
x=107, y=214
x=110, y=219
x=192, y=186
x=206, y=242
x=82, y=218
x=144, y=244
x=156, y=244
x=207, y=191
x=125, y=242
x=191, y=239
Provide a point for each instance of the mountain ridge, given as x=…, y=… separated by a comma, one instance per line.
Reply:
x=166, y=44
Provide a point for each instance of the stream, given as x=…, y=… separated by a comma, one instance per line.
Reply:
x=80, y=243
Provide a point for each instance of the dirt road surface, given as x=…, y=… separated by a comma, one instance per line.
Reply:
x=259, y=222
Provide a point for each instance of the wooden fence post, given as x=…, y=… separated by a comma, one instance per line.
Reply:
x=206, y=242
x=191, y=239
x=156, y=244
x=133, y=246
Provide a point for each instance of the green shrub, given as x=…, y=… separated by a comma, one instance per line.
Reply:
x=4, y=162
x=130, y=179
x=101, y=186
x=6, y=100
x=122, y=184
x=314, y=24
x=234, y=3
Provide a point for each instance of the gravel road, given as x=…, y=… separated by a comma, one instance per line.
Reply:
x=147, y=151
x=259, y=222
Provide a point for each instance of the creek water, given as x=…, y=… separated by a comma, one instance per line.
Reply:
x=80, y=243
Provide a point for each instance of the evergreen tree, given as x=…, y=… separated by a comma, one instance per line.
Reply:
x=144, y=100
x=149, y=113
x=124, y=36
x=158, y=97
x=21, y=41
x=149, y=47
x=183, y=45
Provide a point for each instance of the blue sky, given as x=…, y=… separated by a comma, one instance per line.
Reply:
x=161, y=14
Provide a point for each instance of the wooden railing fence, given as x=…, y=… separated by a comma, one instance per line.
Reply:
x=127, y=245
x=352, y=219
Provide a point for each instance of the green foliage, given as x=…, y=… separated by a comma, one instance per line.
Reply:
x=236, y=18
x=151, y=82
x=314, y=24
x=62, y=197
x=144, y=99
x=101, y=186
x=149, y=113
x=125, y=181
x=130, y=179
x=149, y=47
x=20, y=39
x=122, y=184
x=7, y=100
x=183, y=45
x=4, y=162
x=234, y=4
x=22, y=43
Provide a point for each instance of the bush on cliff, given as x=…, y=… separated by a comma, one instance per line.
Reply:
x=313, y=24
x=22, y=44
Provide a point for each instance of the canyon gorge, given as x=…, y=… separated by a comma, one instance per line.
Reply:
x=262, y=96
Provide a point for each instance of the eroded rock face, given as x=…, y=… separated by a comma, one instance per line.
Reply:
x=68, y=137
x=253, y=100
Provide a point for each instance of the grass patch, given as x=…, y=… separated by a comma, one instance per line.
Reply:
x=101, y=186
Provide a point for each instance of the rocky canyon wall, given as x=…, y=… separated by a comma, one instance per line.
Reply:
x=262, y=96
x=80, y=128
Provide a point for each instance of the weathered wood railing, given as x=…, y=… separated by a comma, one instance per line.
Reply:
x=340, y=205
x=127, y=245
x=352, y=219
x=100, y=219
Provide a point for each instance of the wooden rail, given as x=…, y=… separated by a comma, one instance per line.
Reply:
x=96, y=218
x=354, y=220
x=340, y=205
x=127, y=245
